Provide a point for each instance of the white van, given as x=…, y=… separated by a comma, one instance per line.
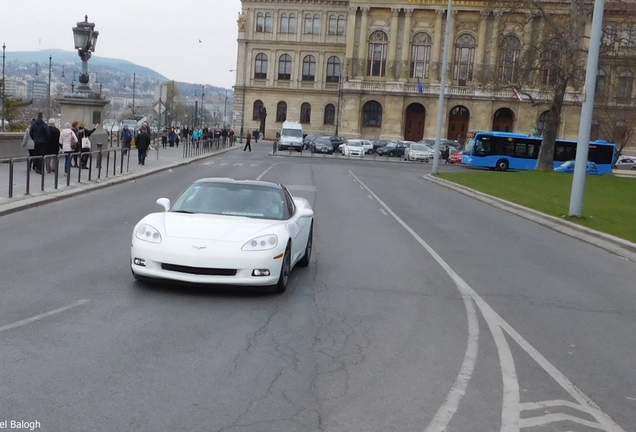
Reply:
x=291, y=136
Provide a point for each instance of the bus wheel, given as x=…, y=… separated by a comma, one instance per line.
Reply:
x=502, y=165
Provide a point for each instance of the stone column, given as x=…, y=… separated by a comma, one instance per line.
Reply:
x=363, y=46
x=482, y=69
x=350, y=42
x=406, y=45
x=436, y=49
x=494, y=43
x=392, y=44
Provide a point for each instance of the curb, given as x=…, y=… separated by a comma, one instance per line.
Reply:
x=22, y=204
x=616, y=245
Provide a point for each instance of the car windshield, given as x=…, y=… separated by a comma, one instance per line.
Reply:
x=354, y=143
x=232, y=199
x=419, y=147
x=296, y=133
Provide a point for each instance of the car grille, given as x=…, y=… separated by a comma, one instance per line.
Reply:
x=199, y=270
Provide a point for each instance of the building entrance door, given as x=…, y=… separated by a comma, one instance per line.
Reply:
x=414, y=124
x=458, y=123
x=503, y=120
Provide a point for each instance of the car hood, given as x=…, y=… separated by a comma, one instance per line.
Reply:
x=216, y=227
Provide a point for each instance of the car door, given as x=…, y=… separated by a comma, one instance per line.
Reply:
x=298, y=232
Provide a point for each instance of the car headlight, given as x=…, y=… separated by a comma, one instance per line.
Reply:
x=147, y=233
x=261, y=243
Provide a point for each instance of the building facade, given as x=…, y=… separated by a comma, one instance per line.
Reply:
x=371, y=69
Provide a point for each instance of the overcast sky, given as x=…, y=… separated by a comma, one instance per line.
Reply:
x=160, y=34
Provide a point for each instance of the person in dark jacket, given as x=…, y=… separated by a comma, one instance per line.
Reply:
x=40, y=135
x=52, y=145
x=142, y=141
x=126, y=140
x=248, y=139
x=85, y=133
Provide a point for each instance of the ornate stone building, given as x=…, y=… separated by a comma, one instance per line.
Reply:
x=371, y=68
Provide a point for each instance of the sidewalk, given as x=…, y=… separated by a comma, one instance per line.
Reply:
x=157, y=160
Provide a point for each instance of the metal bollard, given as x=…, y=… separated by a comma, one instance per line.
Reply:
x=274, y=147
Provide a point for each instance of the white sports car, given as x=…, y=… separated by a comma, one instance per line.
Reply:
x=227, y=232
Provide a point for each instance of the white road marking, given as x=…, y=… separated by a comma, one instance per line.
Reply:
x=370, y=197
x=253, y=165
x=208, y=163
x=510, y=416
x=238, y=164
x=361, y=187
x=265, y=172
x=41, y=316
x=630, y=398
x=384, y=212
x=224, y=163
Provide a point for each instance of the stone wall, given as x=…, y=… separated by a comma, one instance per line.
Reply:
x=11, y=145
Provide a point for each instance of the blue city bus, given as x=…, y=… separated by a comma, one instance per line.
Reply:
x=507, y=150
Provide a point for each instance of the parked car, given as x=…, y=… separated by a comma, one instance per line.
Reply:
x=380, y=143
x=352, y=148
x=568, y=167
x=321, y=145
x=418, y=152
x=394, y=148
x=225, y=231
x=456, y=157
x=626, y=162
x=307, y=140
x=336, y=141
x=366, y=144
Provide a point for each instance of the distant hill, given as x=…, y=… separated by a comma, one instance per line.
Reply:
x=63, y=57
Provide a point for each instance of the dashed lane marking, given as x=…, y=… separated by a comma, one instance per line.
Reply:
x=41, y=316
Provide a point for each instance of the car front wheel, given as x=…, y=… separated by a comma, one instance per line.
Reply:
x=285, y=270
x=304, y=262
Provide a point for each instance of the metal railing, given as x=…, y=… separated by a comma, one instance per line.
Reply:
x=193, y=148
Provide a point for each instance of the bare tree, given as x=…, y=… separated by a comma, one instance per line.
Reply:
x=550, y=61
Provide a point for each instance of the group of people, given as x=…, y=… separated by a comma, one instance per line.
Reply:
x=45, y=139
x=142, y=142
x=170, y=137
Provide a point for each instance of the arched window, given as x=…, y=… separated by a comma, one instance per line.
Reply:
x=309, y=68
x=260, y=66
x=464, y=59
x=312, y=24
x=305, y=113
x=330, y=115
x=542, y=123
x=281, y=112
x=263, y=22
x=372, y=114
x=288, y=23
x=509, y=51
x=421, y=56
x=601, y=84
x=625, y=85
x=376, y=59
x=333, y=69
x=257, y=109
x=284, y=67
x=551, y=60
x=336, y=24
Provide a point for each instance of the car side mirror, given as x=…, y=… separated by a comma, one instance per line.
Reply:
x=304, y=213
x=164, y=202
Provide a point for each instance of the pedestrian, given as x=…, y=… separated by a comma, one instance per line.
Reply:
x=231, y=136
x=248, y=139
x=85, y=146
x=126, y=139
x=142, y=141
x=75, y=128
x=52, y=145
x=68, y=143
x=164, y=137
x=28, y=143
x=171, y=137
x=224, y=134
x=40, y=134
x=446, y=154
x=176, y=140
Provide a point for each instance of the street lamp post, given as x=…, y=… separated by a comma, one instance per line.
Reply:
x=134, y=83
x=202, y=109
x=85, y=38
x=48, y=93
x=225, y=110
x=4, y=47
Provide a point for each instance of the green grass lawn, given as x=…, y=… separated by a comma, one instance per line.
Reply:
x=609, y=203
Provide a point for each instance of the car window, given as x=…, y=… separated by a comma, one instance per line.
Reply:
x=291, y=207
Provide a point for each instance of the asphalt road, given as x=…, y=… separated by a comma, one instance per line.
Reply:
x=423, y=310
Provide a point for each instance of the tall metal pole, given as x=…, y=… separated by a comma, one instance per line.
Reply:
x=587, y=108
x=202, y=108
x=225, y=109
x=4, y=47
x=442, y=88
x=48, y=98
x=134, y=82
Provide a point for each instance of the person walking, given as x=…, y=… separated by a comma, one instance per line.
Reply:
x=68, y=143
x=172, y=136
x=40, y=135
x=248, y=139
x=52, y=145
x=75, y=128
x=142, y=141
x=164, y=137
x=28, y=143
x=126, y=139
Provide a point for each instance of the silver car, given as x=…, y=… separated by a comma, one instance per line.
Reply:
x=626, y=162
